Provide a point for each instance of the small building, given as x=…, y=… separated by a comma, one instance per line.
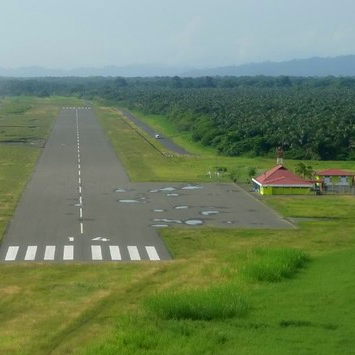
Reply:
x=280, y=181
x=335, y=179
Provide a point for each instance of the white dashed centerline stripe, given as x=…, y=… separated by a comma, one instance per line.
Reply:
x=152, y=253
x=115, y=252
x=68, y=253
x=11, y=253
x=31, y=252
x=133, y=253
x=49, y=252
x=96, y=252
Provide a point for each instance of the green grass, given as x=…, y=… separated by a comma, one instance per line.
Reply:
x=217, y=302
x=274, y=265
x=145, y=163
x=206, y=301
x=25, y=124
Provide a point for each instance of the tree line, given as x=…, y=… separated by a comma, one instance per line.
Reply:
x=311, y=118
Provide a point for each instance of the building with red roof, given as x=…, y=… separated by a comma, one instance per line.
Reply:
x=335, y=178
x=280, y=181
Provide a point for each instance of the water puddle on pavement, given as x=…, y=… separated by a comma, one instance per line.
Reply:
x=166, y=220
x=130, y=201
x=194, y=222
x=191, y=187
x=167, y=189
x=120, y=190
x=209, y=213
x=181, y=207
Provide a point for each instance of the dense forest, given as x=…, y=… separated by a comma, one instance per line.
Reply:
x=311, y=118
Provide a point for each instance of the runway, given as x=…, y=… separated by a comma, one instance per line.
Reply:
x=80, y=206
x=69, y=208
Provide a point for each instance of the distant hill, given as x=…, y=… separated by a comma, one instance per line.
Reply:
x=335, y=66
x=124, y=71
x=319, y=67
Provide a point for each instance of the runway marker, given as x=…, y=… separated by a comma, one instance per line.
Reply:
x=133, y=253
x=115, y=252
x=71, y=239
x=68, y=253
x=96, y=252
x=79, y=189
x=79, y=173
x=11, y=253
x=80, y=200
x=152, y=253
x=81, y=228
x=31, y=252
x=49, y=252
x=81, y=213
x=79, y=166
x=79, y=181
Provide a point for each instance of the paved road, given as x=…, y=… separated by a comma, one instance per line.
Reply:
x=80, y=205
x=167, y=143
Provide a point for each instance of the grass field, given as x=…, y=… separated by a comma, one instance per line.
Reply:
x=226, y=292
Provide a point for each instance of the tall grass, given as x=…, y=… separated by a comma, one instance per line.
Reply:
x=274, y=265
x=218, y=302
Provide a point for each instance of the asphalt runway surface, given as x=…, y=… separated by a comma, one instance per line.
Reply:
x=80, y=205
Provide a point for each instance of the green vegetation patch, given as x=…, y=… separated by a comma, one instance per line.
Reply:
x=274, y=265
x=217, y=302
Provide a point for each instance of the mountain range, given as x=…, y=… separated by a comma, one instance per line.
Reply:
x=317, y=67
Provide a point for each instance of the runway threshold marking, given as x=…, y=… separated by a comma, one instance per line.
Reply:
x=115, y=252
x=52, y=253
x=31, y=252
x=152, y=253
x=68, y=253
x=49, y=252
x=11, y=253
x=133, y=253
x=96, y=252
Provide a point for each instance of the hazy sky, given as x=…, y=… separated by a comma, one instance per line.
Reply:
x=66, y=34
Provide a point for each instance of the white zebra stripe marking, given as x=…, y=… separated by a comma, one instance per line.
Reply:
x=31, y=252
x=96, y=252
x=133, y=253
x=49, y=252
x=115, y=252
x=11, y=253
x=68, y=253
x=152, y=253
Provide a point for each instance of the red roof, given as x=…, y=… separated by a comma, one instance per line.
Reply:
x=280, y=176
x=334, y=172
